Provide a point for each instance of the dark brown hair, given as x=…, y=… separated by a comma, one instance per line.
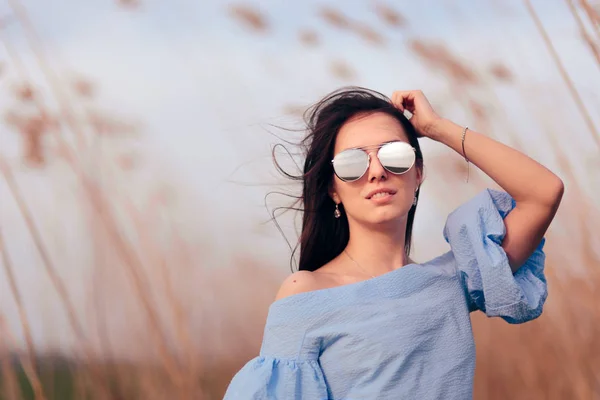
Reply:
x=324, y=237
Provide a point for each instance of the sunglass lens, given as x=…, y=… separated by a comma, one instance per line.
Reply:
x=397, y=157
x=350, y=165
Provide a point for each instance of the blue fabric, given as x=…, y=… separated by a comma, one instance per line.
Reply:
x=402, y=335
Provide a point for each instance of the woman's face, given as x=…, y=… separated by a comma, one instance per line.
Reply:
x=371, y=130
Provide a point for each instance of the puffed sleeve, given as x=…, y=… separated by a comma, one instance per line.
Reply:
x=475, y=231
x=288, y=364
x=275, y=378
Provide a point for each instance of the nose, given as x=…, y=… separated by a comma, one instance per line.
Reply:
x=376, y=170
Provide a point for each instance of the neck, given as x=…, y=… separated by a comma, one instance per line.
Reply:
x=378, y=250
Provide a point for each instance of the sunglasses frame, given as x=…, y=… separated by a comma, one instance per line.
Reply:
x=379, y=147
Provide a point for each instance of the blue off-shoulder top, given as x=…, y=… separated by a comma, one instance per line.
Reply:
x=402, y=335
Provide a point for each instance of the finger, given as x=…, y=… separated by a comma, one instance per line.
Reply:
x=414, y=99
x=407, y=94
x=397, y=101
x=410, y=101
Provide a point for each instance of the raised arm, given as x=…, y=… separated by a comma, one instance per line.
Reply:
x=536, y=190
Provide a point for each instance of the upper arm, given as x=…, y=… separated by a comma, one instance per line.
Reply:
x=298, y=282
x=526, y=225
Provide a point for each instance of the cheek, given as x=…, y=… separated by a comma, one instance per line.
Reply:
x=348, y=193
x=409, y=180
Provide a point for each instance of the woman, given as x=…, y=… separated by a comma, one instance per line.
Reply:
x=360, y=319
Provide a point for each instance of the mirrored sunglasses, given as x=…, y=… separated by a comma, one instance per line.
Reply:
x=396, y=157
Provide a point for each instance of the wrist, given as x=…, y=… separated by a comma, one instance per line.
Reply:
x=441, y=130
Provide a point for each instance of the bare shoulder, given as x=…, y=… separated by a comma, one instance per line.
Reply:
x=299, y=282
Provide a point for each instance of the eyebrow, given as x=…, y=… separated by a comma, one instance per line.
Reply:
x=373, y=145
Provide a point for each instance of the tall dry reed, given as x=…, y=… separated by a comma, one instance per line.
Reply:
x=554, y=357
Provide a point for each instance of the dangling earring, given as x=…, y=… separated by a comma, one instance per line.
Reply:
x=337, y=212
x=415, y=201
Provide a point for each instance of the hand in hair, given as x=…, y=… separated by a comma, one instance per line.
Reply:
x=423, y=115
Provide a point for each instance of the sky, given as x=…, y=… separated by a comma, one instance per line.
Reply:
x=204, y=89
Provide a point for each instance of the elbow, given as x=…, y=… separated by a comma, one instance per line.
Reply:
x=549, y=194
x=557, y=192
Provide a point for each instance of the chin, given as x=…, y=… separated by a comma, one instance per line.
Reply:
x=383, y=216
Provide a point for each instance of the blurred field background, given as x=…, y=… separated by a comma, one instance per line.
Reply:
x=137, y=256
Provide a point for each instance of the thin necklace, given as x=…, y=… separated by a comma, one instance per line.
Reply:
x=359, y=266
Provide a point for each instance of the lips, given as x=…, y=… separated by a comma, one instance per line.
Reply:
x=380, y=195
x=381, y=190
